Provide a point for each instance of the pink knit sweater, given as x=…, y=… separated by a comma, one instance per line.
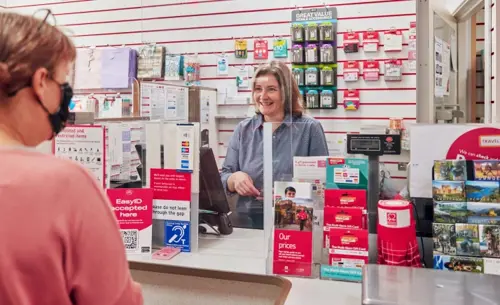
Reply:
x=59, y=240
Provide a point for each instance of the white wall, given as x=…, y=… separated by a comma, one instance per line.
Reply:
x=209, y=27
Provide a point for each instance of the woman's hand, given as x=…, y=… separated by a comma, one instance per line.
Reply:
x=243, y=184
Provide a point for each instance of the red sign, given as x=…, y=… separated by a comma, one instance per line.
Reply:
x=292, y=252
x=169, y=184
x=477, y=144
x=133, y=207
x=260, y=47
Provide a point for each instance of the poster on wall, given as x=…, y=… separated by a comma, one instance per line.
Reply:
x=293, y=222
x=439, y=86
x=448, y=142
x=85, y=145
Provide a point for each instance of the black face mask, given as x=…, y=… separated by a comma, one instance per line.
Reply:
x=59, y=119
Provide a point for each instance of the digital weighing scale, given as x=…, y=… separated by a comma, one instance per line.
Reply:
x=373, y=146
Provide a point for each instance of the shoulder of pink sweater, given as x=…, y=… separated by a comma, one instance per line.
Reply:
x=34, y=167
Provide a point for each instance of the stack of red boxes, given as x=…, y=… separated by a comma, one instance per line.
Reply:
x=345, y=228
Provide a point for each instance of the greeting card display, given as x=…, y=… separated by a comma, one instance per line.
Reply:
x=314, y=51
x=371, y=70
x=351, y=100
x=393, y=70
x=293, y=222
x=351, y=71
x=371, y=41
x=393, y=40
x=351, y=42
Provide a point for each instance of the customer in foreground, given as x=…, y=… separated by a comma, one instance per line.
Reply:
x=277, y=100
x=60, y=242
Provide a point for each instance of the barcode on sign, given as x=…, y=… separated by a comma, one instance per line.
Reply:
x=130, y=239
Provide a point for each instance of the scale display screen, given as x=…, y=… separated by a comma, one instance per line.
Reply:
x=365, y=144
x=374, y=144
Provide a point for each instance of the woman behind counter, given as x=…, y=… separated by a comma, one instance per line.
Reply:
x=277, y=100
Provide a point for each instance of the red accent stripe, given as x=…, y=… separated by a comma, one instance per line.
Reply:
x=479, y=39
x=482, y=103
x=207, y=1
x=225, y=26
x=198, y=15
x=326, y=132
x=399, y=177
x=479, y=23
x=47, y=4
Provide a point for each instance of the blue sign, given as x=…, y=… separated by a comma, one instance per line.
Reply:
x=177, y=234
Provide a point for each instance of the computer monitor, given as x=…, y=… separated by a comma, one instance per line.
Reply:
x=213, y=203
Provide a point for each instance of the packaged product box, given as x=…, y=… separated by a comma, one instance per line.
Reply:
x=345, y=198
x=347, y=173
x=348, y=254
x=346, y=218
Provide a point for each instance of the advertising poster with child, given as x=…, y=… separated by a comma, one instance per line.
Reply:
x=293, y=222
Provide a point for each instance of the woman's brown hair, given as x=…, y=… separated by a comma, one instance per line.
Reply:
x=27, y=44
x=290, y=92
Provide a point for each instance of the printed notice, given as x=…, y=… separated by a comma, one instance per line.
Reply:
x=172, y=194
x=171, y=210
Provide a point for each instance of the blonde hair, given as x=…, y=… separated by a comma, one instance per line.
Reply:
x=27, y=44
x=290, y=92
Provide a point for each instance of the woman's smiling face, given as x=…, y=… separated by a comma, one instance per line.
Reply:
x=267, y=96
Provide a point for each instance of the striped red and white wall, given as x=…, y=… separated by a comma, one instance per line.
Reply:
x=209, y=27
x=479, y=65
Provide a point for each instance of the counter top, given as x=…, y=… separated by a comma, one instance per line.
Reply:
x=239, y=252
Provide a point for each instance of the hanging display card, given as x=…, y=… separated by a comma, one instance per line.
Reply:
x=351, y=71
x=243, y=77
x=393, y=70
x=280, y=48
x=371, y=41
x=293, y=222
x=260, y=49
x=134, y=212
x=412, y=47
x=241, y=48
x=176, y=109
x=393, y=40
x=351, y=100
x=351, y=42
x=222, y=65
x=85, y=145
x=371, y=70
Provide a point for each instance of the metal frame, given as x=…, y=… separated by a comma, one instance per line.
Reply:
x=426, y=111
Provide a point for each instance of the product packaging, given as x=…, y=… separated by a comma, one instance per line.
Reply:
x=326, y=31
x=327, y=53
x=351, y=42
x=298, y=74
x=327, y=76
x=312, y=99
x=327, y=99
x=297, y=54
x=241, y=48
x=371, y=70
x=297, y=32
x=311, y=53
x=371, y=41
x=346, y=173
x=312, y=76
x=312, y=32
x=280, y=48
x=351, y=100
